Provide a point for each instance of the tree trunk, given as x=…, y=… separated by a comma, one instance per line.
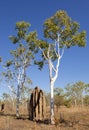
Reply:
x=75, y=102
x=17, y=103
x=52, y=103
x=82, y=101
x=53, y=74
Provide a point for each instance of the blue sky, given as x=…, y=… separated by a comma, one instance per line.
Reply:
x=74, y=65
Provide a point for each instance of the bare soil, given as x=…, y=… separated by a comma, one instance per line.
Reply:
x=66, y=119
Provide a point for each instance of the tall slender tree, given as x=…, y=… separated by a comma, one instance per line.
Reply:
x=60, y=33
x=22, y=58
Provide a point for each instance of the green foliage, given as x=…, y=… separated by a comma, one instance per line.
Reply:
x=6, y=97
x=67, y=103
x=31, y=37
x=60, y=31
x=13, y=39
x=86, y=100
x=22, y=25
x=22, y=28
x=59, y=97
x=22, y=57
x=7, y=75
x=8, y=63
x=26, y=49
x=42, y=44
x=39, y=63
x=68, y=29
x=58, y=91
x=59, y=100
x=76, y=92
x=87, y=88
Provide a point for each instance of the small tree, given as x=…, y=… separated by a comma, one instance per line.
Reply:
x=81, y=91
x=71, y=93
x=6, y=96
x=58, y=91
x=61, y=32
x=86, y=100
x=87, y=88
x=22, y=58
x=59, y=97
x=76, y=92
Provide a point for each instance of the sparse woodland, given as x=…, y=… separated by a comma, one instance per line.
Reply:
x=67, y=108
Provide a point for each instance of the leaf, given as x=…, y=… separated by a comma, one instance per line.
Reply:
x=13, y=39
x=61, y=23
x=8, y=63
x=22, y=25
x=39, y=63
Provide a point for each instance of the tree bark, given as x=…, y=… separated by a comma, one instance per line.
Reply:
x=52, y=81
x=75, y=102
x=82, y=101
x=17, y=103
x=52, y=120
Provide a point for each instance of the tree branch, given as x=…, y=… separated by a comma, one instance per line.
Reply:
x=12, y=89
x=62, y=52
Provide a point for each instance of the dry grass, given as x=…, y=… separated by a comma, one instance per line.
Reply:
x=66, y=119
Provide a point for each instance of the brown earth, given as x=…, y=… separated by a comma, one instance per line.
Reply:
x=66, y=119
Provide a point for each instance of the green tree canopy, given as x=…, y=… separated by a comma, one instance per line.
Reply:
x=68, y=30
x=21, y=58
x=60, y=32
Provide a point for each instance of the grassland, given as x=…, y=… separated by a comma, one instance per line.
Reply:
x=66, y=119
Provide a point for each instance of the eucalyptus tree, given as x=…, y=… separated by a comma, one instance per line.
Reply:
x=60, y=33
x=81, y=90
x=22, y=58
x=86, y=100
x=6, y=97
x=87, y=88
x=71, y=93
x=76, y=92
x=81, y=86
